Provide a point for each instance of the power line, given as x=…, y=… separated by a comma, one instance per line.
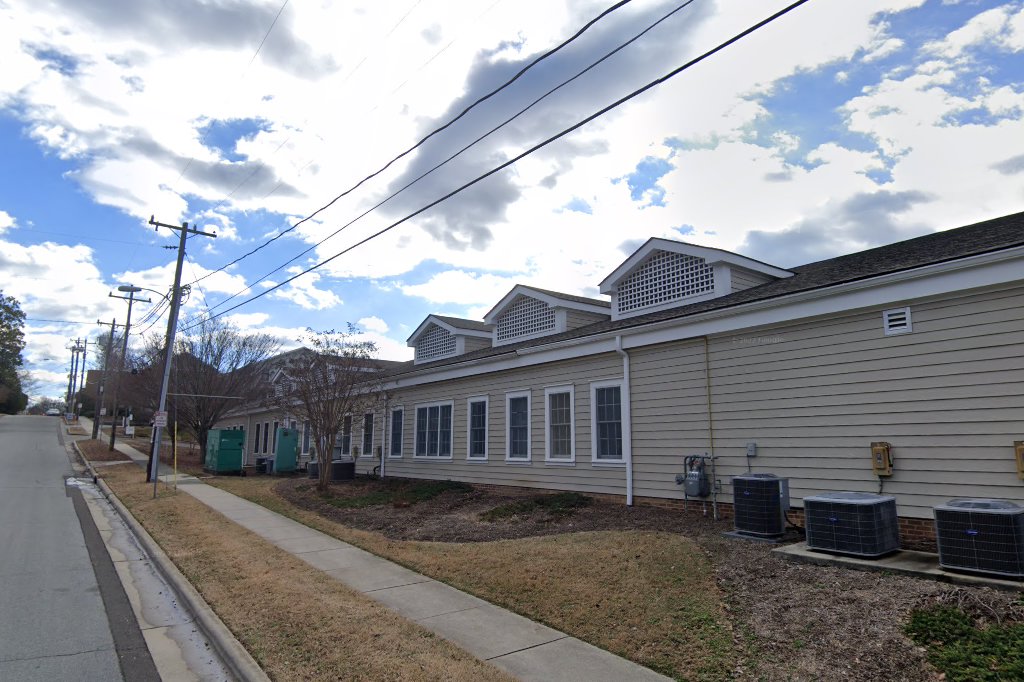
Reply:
x=429, y=135
x=557, y=136
x=39, y=319
x=508, y=120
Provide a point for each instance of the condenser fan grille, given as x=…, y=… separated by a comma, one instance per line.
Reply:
x=759, y=503
x=974, y=535
x=861, y=524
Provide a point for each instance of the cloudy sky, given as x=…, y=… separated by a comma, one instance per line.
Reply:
x=840, y=126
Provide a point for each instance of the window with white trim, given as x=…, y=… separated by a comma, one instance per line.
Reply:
x=343, y=440
x=517, y=426
x=397, y=425
x=256, y=446
x=367, y=435
x=476, y=428
x=525, y=316
x=273, y=441
x=266, y=436
x=435, y=342
x=559, y=423
x=665, y=277
x=434, y=430
x=305, y=437
x=897, y=321
x=606, y=421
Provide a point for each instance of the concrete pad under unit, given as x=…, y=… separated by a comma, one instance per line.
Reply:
x=904, y=562
x=586, y=663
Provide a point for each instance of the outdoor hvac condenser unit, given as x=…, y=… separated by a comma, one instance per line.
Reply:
x=760, y=502
x=981, y=535
x=862, y=524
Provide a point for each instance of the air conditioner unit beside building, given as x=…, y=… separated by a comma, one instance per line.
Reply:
x=981, y=535
x=860, y=524
x=760, y=502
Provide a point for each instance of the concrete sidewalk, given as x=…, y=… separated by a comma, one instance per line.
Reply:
x=517, y=645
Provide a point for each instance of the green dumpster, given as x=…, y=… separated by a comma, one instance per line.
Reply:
x=287, y=450
x=224, y=451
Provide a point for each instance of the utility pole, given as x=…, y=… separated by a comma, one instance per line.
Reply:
x=71, y=377
x=101, y=385
x=172, y=325
x=131, y=290
x=81, y=385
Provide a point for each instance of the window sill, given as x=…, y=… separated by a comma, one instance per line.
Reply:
x=519, y=462
x=476, y=460
x=610, y=465
x=556, y=463
x=428, y=458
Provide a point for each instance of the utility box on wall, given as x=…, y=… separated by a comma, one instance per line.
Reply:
x=224, y=451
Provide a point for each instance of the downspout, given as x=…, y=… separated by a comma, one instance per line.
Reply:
x=627, y=420
x=711, y=429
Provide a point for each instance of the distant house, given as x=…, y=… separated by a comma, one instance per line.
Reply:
x=698, y=350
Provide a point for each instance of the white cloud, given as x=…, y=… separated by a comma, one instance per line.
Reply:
x=461, y=287
x=7, y=221
x=304, y=292
x=373, y=324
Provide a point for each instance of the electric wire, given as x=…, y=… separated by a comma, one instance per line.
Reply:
x=557, y=136
x=428, y=136
x=508, y=120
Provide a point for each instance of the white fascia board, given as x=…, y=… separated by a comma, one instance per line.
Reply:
x=985, y=270
x=712, y=256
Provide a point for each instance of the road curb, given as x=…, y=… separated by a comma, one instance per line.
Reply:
x=239, y=661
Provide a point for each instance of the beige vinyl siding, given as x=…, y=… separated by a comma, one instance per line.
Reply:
x=580, y=318
x=476, y=343
x=814, y=395
x=744, y=279
x=581, y=477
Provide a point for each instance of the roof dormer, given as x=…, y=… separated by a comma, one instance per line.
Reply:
x=440, y=336
x=664, y=274
x=528, y=313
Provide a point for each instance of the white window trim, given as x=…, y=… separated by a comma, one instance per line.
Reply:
x=593, y=424
x=469, y=427
x=416, y=425
x=362, y=434
x=401, y=434
x=905, y=311
x=571, y=390
x=509, y=396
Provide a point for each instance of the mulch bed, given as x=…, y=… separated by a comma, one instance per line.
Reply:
x=98, y=451
x=796, y=621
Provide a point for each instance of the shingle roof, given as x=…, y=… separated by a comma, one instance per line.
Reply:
x=462, y=323
x=570, y=297
x=984, y=237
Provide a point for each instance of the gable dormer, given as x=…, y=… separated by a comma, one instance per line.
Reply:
x=440, y=336
x=664, y=274
x=528, y=313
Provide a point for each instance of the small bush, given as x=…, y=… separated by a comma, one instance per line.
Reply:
x=556, y=506
x=965, y=653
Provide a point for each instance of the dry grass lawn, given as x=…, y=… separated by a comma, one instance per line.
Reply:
x=298, y=623
x=99, y=451
x=650, y=597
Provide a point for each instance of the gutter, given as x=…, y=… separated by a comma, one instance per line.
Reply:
x=627, y=420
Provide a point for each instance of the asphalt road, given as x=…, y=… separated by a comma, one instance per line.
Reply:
x=53, y=618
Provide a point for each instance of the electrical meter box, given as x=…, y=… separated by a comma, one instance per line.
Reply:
x=881, y=459
x=286, y=450
x=224, y=451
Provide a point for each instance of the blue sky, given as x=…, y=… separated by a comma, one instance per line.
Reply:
x=839, y=127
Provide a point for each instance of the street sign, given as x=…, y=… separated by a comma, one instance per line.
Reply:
x=103, y=412
x=160, y=419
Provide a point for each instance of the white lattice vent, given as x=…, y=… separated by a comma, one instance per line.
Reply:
x=665, y=277
x=436, y=342
x=524, y=317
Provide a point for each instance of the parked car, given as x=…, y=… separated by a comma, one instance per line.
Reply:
x=53, y=412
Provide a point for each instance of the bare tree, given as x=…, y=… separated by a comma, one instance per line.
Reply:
x=334, y=377
x=216, y=368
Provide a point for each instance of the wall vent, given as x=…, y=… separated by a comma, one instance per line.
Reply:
x=897, y=321
x=663, y=278
x=526, y=316
x=981, y=535
x=861, y=524
x=760, y=502
x=437, y=342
